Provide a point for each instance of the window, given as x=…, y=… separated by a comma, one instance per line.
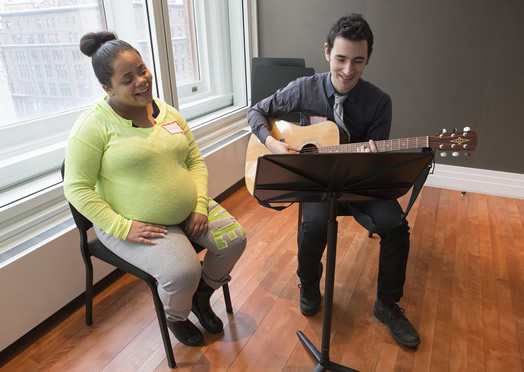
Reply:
x=42, y=97
x=206, y=67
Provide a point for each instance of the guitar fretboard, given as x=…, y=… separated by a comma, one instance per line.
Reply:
x=382, y=146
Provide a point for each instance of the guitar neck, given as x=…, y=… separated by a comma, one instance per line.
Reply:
x=382, y=146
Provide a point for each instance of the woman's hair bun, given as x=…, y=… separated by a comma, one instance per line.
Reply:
x=91, y=42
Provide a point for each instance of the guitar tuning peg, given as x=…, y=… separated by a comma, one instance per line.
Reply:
x=455, y=153
x=444, y=130
x=467, y=129
x=443, y=154
x=467, y=153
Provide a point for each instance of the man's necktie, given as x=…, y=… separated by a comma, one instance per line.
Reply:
x=338, y=110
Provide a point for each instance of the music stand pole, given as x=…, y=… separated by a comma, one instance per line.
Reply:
x=323, y=357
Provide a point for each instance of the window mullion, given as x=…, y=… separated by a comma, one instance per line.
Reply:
x=162, y=51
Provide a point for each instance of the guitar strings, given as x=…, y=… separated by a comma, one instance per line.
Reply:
x=385, y=145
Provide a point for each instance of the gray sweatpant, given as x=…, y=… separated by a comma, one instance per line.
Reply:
x=174, y=263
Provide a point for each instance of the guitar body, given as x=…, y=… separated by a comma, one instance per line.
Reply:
x=317, y=135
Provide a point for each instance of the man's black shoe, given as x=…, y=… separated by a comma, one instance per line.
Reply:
x=310, y=297
x=186, y=332
x=399, y=326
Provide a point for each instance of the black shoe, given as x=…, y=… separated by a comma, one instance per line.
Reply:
x=399, y=326
x=186, y=332
x=310, y=298
x=203, y=311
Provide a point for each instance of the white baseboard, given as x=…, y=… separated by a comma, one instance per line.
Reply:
x=477, y=180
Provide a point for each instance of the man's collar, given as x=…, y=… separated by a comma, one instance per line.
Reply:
x=352, y=94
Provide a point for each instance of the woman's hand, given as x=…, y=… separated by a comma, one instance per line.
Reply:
x=141, y=231
x=195, y=225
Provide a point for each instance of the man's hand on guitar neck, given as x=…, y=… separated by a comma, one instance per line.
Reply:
x=372, y=147
x=278, y=147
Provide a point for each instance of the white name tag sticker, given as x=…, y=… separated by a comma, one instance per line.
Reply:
x=317, y=119
x=173, y=128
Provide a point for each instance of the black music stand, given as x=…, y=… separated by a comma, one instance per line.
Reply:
x=335, y=177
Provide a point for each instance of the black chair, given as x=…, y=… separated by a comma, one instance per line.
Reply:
x=97, y=249
x=270, y=74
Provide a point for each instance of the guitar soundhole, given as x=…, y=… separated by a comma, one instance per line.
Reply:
x=309, y=149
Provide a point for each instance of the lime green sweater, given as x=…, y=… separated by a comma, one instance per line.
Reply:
x=116, y=173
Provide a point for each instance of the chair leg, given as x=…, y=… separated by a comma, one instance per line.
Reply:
x=299, y=222
x=162, y=322
x=89, y=291
x=227, y=298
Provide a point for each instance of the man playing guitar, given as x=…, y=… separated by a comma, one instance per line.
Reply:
x=364, y=114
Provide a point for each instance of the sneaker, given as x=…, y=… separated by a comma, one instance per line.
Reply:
x=399, y=326
x=310, y=297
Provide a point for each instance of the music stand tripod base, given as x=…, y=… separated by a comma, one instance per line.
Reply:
x=329, y=366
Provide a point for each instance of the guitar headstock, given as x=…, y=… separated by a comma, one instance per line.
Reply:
x=455, y=141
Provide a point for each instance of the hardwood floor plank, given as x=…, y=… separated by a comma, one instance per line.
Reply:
x=509, y=287
x=490, y=316
x=358, y=338
x=459, y=331
x=416, y=276
x=387, y=358
x=516, y=213
x=144, y=352
x=434, y=238
x=98, y=348
x=442, y=339
x=517, y=269
x=475, y=342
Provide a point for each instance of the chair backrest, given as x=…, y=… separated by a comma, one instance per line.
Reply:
x=270, y=74
x=260, y=87
x=81, y=222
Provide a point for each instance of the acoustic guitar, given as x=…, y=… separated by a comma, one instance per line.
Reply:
x=324, y=138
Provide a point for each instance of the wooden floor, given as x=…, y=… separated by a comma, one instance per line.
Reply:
x=464, y=293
